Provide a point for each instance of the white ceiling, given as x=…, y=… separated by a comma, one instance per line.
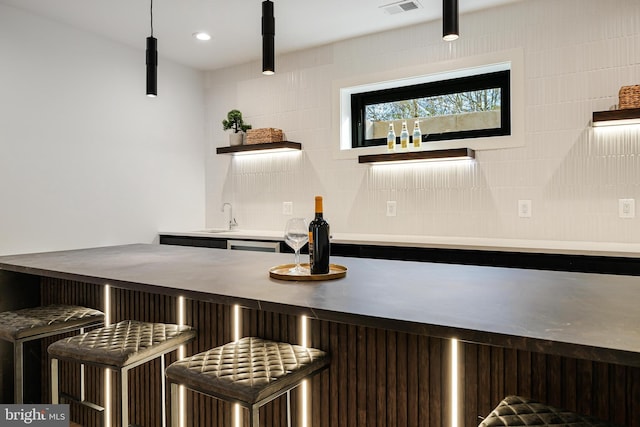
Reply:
x=234, y=24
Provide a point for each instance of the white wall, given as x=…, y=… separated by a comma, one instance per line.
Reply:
x=86, y=159
x=577, y=54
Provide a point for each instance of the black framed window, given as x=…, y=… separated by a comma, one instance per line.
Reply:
x=466, y=107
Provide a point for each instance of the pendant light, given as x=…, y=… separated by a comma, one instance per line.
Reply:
x=268, y=36
x=450, y=27
x=152, y=61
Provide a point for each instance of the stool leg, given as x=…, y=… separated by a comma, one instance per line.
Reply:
x=55, y=396
x=288, y=408
x=18, y=388
x=124, y=396
x=254, y=418
x=174, y=412
x=164, y=392
x=82, y=390
x=108, y=405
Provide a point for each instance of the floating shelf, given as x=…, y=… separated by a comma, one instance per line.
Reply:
x=412, y=156
x=256, y=148
x=628, y=116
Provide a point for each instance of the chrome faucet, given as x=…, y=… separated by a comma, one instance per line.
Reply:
x=232, y=221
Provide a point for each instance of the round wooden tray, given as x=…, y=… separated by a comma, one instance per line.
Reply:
x=283, y=272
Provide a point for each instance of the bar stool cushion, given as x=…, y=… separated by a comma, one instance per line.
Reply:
x=19, y=324
x=521, y=411
x=248, y=370
x=122, y=343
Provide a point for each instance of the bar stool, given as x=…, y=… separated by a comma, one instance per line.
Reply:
x=521, y=411
x=250, y=371
x=34, y=323
x=119, y=347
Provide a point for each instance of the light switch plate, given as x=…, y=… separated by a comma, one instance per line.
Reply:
x=627, y=208
x=524, y=208
x=287, y=208
x=391, y=208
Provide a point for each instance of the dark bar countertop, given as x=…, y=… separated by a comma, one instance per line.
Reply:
x=589, y=316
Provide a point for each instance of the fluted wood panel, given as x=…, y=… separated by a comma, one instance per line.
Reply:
x=71, y=292
x=214, y=327
x=145, y=381
x=377, y=378
x=607, y=391
x=278, y=327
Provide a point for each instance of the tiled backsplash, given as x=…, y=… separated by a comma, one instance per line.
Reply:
x=578, y=53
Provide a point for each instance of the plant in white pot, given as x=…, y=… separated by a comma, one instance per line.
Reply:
x=234, y=121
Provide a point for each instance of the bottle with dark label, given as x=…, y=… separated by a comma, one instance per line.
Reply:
x=319, y=246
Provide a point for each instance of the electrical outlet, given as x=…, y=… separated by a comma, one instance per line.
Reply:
x=627, y=208
x=524, y=208
x=391, y=208
x=287, y=208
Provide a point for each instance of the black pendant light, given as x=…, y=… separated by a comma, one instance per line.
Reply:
x=268, y=36
x=152, y=61
x=450, y=26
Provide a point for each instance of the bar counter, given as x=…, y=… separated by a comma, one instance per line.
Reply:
x=582, y=315
x=566, y=316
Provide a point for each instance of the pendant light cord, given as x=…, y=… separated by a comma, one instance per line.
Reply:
x=151, y=13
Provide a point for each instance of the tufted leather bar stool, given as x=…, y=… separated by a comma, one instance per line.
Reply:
x=34, y=323
x=119, y=347
x=521, y=411
x=251, y=371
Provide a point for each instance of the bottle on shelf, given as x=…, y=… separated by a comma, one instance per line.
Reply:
x=404, y=137
x=391, y=139
x=319, y=245
x=417, y=136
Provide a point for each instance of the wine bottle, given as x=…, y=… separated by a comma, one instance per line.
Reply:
x=391, y=138
x=404, y=137
x=417, y=136
x=319, y=246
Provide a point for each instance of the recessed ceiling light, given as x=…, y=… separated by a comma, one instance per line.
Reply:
x=202, y=36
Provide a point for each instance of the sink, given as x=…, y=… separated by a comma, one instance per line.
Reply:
x=216, y=230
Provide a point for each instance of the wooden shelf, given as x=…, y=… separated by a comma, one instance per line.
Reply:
x=616, y=117
x=247, y=149
x=409, y=156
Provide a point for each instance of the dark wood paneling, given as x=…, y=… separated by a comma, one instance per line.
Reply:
x=376, y=377
x=70, y=292
x=214, y=326
x=145, y=381
x=606, y=391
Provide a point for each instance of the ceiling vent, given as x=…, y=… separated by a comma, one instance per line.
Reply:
x=401, y=6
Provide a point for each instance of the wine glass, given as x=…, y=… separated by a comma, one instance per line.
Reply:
x=296, y=235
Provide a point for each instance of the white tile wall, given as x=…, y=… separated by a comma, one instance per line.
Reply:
x=578, y=53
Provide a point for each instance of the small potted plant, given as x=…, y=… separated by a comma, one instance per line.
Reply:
x=234, y=121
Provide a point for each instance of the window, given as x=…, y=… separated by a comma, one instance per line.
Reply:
x=472, y=106
x=496, y=75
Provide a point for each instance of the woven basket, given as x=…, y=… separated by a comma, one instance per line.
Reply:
x=629, y=97
x=260, y=136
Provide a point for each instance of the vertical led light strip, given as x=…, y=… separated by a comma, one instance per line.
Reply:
x=107, y=372
x=236, y=326
x=454, y=382
x=236, y=323
x=303, y=332
x=181, y=355
x=304, y=395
